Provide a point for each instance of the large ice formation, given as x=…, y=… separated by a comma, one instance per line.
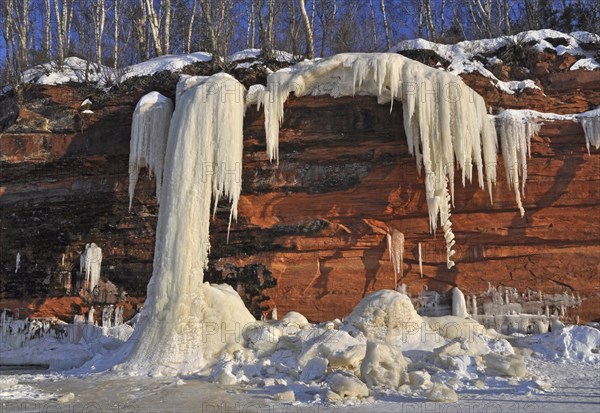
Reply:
x=187, y=326
x=149, y=132
x=90, y=263
x=445, y=121
x=184, y=322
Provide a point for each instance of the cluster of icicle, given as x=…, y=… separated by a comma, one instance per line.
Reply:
x=149, y=132
x=90, y=263
x=446, y=122
x=590, y=121
x=202, y=164
x=516, y=129
x=447, y=128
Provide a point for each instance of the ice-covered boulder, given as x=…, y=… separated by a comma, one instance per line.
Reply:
x=441, y=393
x=348, y=385
x=511, y=365
x=383, y=366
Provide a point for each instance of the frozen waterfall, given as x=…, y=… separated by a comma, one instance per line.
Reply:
x=185, y=323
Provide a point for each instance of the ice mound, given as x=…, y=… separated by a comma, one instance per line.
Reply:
x=390, y=317
x=383, y=346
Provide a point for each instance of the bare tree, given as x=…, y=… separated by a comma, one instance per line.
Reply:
x=98, y=12
x=21, y=27
x=117, y=22
x=266, y=16
x=310, y=42
x=47, y=27
x=63, y=25
x=326, y=13
x=188, y=41
x=219, y=23
x=373, y=25
x=385, y=25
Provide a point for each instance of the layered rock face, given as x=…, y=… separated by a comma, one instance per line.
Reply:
x=311, y=236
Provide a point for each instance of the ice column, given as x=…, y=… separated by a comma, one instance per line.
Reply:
x=179, y=331
x=459, y=306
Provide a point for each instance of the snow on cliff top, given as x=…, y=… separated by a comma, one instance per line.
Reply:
x=73, y=69
x=469, y=56
x=170, y=63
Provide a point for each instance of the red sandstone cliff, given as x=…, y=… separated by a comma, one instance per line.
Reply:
x=311, y=233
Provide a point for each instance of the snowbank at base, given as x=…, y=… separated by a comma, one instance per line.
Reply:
x=578, y=343
x=382, y=347
x=468, y=56
x=81, y=343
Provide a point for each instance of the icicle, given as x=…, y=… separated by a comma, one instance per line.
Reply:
x=107, y=316
x=62, y=261
x=590, y=122
x=149, y=132
x=446, y=122
x=90, y=263
x=395, y=241
x=516, y=130
x=420, y=261
x=118, y=316
x=17, y=262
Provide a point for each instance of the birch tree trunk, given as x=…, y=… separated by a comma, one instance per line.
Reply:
x=47, y=31
x=98, y=17
x=385, y=25
x=116, y=12
x=166, y=45
x=373, y=25
x=188, y=42
x=310, y=43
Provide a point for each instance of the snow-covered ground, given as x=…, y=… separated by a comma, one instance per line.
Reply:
x=564, y=386
x=383, y=357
